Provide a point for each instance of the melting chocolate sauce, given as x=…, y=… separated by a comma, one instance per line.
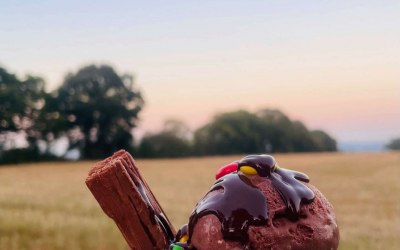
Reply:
x=181, y=232
x=263, y=164
x=292, y=191
x=184, y=245
x=288, y=183
x=158, y=218
x=238, y=203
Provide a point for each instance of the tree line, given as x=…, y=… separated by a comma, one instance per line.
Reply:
x=237, y=132
x=393, y=144
x=96, y=109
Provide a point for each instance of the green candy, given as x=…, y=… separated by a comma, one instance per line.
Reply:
x=176, y=247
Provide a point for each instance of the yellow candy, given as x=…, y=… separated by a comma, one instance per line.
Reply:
x=183, y=239
x=248, y=170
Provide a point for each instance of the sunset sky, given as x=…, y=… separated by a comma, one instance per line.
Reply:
x=335, y=65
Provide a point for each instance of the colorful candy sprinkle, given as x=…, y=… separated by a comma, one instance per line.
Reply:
x=184, y=238
x=248, y=170
x=226, y=170
x=176, y=247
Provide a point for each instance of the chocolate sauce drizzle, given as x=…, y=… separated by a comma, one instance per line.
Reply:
x=287, y=182
x=238, y=203
x=159, y=217
x=292, y=191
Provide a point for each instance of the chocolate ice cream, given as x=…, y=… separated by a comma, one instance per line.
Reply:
x=254, y=204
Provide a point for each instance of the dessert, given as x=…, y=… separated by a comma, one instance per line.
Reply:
x=253, y=204
x=126, y=198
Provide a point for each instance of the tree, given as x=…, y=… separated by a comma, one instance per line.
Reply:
x=231, y=133
x=394, y=144
x=171, y=141
x=263, y=132
x=277, y=126
x=20, y=106
x=286, y=135
x=302, y=140
x=323, y=141
x=97, y=109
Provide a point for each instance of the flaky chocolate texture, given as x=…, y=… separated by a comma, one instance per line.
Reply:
x=126, y=198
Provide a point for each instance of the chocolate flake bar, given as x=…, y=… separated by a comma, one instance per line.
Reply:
x=126, y=198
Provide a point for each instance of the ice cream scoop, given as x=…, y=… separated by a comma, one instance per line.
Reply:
x=255, y=204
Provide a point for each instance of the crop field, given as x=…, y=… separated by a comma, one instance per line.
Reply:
x=47, y=206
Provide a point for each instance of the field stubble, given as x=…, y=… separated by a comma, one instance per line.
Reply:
x=47, y=206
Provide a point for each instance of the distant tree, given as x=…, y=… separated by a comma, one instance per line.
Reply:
x=231, y=133
x=266, y=131
x=178, y=128
x=171, y=141
x=96, y=108
x=394, y=144
x=323, y=141
x=287, y=135
x=274, y=127
x=301, y=138
x=21, y=102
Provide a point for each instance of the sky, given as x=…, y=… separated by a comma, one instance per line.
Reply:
x=334, y=65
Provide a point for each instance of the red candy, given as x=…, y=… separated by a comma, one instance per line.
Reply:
x=227, y=169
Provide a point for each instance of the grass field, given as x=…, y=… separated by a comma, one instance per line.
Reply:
x=47, y=206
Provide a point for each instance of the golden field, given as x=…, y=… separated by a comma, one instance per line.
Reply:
x=47, y=206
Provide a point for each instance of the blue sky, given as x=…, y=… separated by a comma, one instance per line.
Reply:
x=332, y=64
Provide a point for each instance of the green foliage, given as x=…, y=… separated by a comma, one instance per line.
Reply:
x=283, y=134
x=21, y=101
x=238, y=132
x=231, y=133
x=172, y=141
x=98, y=108
x=394, y=144
x=163, y=144
x=29, y=154
x=323, y=141
x=20, y=107
x=266, y=131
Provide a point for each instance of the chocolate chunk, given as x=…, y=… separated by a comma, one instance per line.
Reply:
x=126, y=198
